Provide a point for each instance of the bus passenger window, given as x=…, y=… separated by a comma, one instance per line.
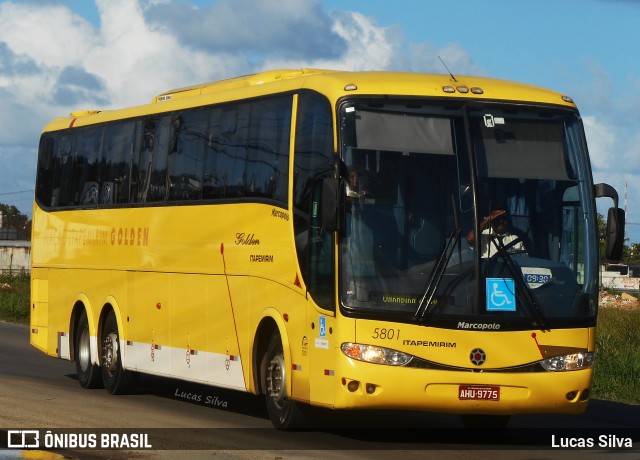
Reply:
x=152, y=161
x=116, y=163
x=186, y=155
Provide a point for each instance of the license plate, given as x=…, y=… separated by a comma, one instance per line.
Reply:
x=479, y=392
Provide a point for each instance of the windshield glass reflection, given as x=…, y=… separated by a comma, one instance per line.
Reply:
x=408, y=239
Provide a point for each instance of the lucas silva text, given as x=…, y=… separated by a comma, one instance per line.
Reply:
x=609, y=441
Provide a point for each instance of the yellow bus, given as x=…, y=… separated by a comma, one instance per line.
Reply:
x=310, y=235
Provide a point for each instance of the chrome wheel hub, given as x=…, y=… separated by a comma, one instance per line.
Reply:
x=110, y=352
x=276, y=378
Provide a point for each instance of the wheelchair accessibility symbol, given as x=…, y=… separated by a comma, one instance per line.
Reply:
x=501, y=294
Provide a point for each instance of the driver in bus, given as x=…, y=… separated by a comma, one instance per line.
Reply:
x=353, y=185
x=494, y=234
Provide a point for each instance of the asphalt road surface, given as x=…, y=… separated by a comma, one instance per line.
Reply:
x=182, y=420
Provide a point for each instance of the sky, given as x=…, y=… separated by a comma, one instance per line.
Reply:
x=58, y=56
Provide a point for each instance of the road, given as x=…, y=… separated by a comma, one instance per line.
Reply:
x=194, y=421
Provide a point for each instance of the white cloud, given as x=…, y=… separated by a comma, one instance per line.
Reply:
x=612, y=134
x=368, y=46
x=52, y=61
x=135, y=61
x=615, y=159
x=52, y=36
x=286, y=28
x=601, y=140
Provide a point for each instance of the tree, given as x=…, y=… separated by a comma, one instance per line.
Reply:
x=602, y=231
x=13, y=218
x=632, y=254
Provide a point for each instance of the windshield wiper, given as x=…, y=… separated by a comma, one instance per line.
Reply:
x=440, y=267
x=524, y=290
x=437, y=274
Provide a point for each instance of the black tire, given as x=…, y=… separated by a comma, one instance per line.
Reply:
x=285, y=413
x=485, y=422
x=116, y=379
x=88, y=374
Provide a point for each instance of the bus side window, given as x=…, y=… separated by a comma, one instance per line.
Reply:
x=314, y=161
x=234, y=150
x=187, y=146
x=211, y=186
x=159, y=187
x=144, y=159
x=152, y=161
x=47, y=169
x=267, y=166
x=116, y=163
x=226, y=153
x=87, y=165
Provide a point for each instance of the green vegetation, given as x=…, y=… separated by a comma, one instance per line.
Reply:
x=14, y=219
x=14, y=298
x=617, y=368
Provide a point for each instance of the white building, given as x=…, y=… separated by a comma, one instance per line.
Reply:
x=15, y=256
x=618, y=277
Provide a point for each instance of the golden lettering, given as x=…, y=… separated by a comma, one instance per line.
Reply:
x=130, y=236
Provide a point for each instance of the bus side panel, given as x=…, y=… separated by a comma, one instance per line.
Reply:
x=181, y=326
x=61, y=305
x=39, y=308
x=52, y=308
x=203, y=332
x=148, y=330
x=323, y=349
x=190, y=320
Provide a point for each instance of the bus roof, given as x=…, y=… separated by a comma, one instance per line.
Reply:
x=334, y=84
x=238, y=82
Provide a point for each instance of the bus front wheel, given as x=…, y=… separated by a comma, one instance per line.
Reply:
x=285, y=413
x=88, y=373
x=116, y=379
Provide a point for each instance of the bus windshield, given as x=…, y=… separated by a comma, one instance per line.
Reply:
x=420, y=180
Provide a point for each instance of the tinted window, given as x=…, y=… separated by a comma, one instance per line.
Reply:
x=230, y=151
x=228, y=147
x=314, y=161
x=187, y=149
x=86, y=166
x=267, y=153
x=116, y=163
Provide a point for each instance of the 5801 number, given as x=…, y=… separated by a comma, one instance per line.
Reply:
x=386, y=334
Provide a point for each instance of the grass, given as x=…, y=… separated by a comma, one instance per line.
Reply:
x=617, y=367
x=14, y=298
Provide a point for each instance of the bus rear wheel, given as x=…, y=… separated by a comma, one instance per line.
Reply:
x=116, y=379
x=285, y=413
x=88, y=373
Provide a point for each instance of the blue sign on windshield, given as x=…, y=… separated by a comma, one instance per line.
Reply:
x=501, y=294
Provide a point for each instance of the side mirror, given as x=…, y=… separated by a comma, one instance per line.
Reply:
x=330, y=201
x=605, y=190
x=614, y=238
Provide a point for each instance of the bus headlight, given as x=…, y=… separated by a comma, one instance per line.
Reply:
x=374, y=354
x=572, y=362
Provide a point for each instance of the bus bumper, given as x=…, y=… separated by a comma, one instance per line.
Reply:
x=372, y=386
